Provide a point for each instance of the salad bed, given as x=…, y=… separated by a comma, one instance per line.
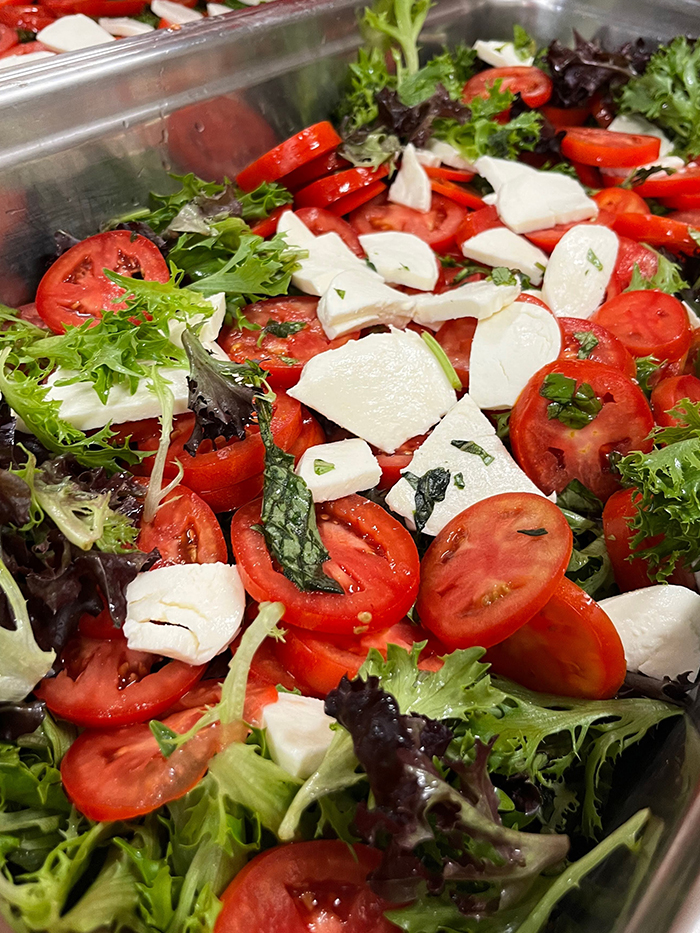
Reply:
x=311, y=737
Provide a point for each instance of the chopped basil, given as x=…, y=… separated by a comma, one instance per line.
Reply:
x=442, y=359
x=642, y=174
x=322, y=466
x=503, y=276
x=594, y=261
x=575, y=406
x=470, y=447
x=647, y=366
x=458, y=480
x=281, y=329
x=587, y=341
x=429, y=489
x=340, y=292
x=523, y=43
x=533, y=532
x=288, y=360
x=502, y=419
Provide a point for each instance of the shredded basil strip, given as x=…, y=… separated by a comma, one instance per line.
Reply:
x=458, y=480
x=533, y=532
x=322, y=466
x=575, y=406
x=471, y=447
x=594, y=261
x=429, y=489
x=587, y=341
x=281, y=329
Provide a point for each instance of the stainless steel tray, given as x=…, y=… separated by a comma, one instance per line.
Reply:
x=85, y=137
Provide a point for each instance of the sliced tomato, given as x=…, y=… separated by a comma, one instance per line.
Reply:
x=442, y=173
x=8, y=38
x=268, y=668
x=185, y=531
x=593, y=146
x=689, y=216
x=372, y=556
x=457, y=193
x=311, y=435
x=290, y=155
x=570, y=648
x=322, y=165
x=683, y=202
x=29, y=18
x=656, y=231
x=268, y=227
x=75, y=288
x=552, y=453
x=486, y=218
x=98, y=8
x=350, y=202
x=561, y=117
x=393, y=464
x=668, y=393
x=119, y=774
x=548, y=238
x=621, y=201
x=26, y=48
x=306, y=887
x=325, y=191
x=103, y=683
x=283, y=357
x=588, y=175
x=438, y=227
x=455, y=338
x=683, y=182
x=608, y=350
x=647, y=323
x=319, y=222
x=533, y=85
x=475, y=595
x=629, y=255
x=319, y=661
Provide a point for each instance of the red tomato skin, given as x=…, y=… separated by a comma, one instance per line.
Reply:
x=533, y=85
x=319, y=222
x=442, y=173
x=570, y=648
x=268, y=227
x=289, y=155
x=74, y=289
x=350, y=202
x=629, y=254
x=668, y=393
x=374, y=551
x=261, y=897
x=684, y=182
x=185, y=531
x=485, y=218
x=607, y=149
x=326, y=190
x=553, y=454
x=547, y=239
x=317, y=168
x=438, y=227
x=656, y=231
x=561, y=117
x=609, y=350
x=456, y=338
x=621, y=201
x=30, y=18
x=647, y=323
x=8, y=38
x=469, y=597
x=393, y=464
x=459, y=194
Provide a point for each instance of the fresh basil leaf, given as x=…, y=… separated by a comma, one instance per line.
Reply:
x=429, y=489
x=647, y=368
x=471, y=447
x=282, y=329
x=322, y=466
x=594, y=261
x=587, y=341
x=575, y=406
x=458, y=480
x=533, y=532
x=503, y=276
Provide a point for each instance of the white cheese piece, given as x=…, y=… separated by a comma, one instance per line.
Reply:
x=500, y=54
x=501, y=247
x=660, y=629
x=663, y=164
x=385, y=388
x=490, y=199
x=298, y=733
x=692, y=316
x=508, y=349
x=526, y=203
x=210, y=328
x=448, y=155
x=327, y=256
x=428, y=158
x=190, y=612
x=217, y=9
x=579, y=270
x=411, y=187
x=70, y=33
x=342, y=468
x=464, y=422
x=124, y=26
x=473, y=299
x=174, y=13
x=13, y=61
x=402, y=259
x=498, y=171
x=357, y=299
x=637, y=124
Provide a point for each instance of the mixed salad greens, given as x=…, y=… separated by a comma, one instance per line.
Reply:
x=432, y=709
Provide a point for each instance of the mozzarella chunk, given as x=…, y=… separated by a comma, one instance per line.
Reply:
x=71, y=33
x=508, y=349
x=501, y=247
x=327, y=256
x=342, y=468
x=298, y=733
x=402, y=259
x=428, y=158
x=464, y=422
x=500, y=54
x=693, y=318
x=473, y=299
x=384, y=388
x=663, y=164
x=639, y=125
x=190, y=612
x=498, y=171
x=174, y=13
x=545, y=199
x=209, y=330
x=217, y=9
x=579, y=270
x=123, y=26
x=411, y=187
x=447, y=155
x=14, y=61
x=357, y=299
x=660, y=629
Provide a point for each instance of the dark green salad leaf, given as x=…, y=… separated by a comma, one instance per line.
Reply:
x=429, y=488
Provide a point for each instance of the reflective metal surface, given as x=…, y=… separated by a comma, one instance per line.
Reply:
x=84, y=137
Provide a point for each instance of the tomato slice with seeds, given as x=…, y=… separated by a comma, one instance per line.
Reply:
x=476, y=595
x=533, y=85
x=75, y=289
x=608, y=349
x=185, y=531
x=668, y=393
x=298, y=150
x=437, y=227
x=647, y=323
x=307, y=887
x=553, y=453
x=570, y=648
x=119, y=774
x=594, y=146
x=104, y=683
x=372, y=556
